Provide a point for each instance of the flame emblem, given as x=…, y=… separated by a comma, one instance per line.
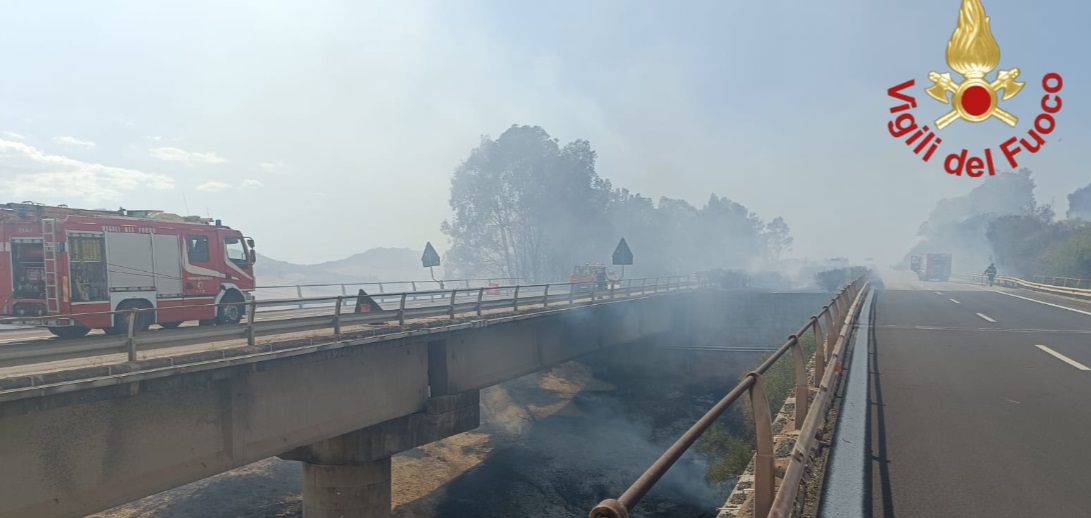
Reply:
x=973, y=52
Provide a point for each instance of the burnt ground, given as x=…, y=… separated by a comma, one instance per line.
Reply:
x=550, y=444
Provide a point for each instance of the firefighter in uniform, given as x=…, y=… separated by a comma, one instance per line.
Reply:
x=600, y=279
x=990, y=272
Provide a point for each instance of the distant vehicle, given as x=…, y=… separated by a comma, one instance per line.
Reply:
x=585, y=277
x=934, y=267
x=63, y=261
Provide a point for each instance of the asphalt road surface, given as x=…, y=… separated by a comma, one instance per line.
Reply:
x=980, y=403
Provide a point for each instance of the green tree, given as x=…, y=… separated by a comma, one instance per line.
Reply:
x=1070, y=257
x=525, y=207
x=778, y=239
x=728, y=454
x=1017, y=240
x=958, y=225
x=1079, y=204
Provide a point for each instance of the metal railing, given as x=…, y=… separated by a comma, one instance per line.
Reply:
x=453, y=303
x=384, y=288
x=1015, y=282
x=1062, y=281
x=839, y=316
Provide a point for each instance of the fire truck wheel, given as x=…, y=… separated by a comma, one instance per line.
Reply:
x=121, y=321
x=231, y=309
x=69, y=332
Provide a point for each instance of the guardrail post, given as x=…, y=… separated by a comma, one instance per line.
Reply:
x=337, y=316
x=545, y=298
x=819, y=352
x=802, y=392
x=764, y=477
x=480, y=294
x=836, y=310
x=571, y=293
x=441, y=285
x=629, y=288
x=515, y=300
x=401, y=312
x=594, y=286
x=131, y=342
x=250, y=321
x=643, y=285
x=343, y=290
x=380, y=287
x=655, y=289
x=299, y=292
x=414, y=284
x=829, y=331
x=451, y=310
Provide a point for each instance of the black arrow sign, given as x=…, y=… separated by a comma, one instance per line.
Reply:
x=622, y=254
x=430, y=257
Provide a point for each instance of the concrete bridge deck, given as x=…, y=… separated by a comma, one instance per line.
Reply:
x=90, y=438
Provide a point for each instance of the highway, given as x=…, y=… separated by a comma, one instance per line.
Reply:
x=978, y=402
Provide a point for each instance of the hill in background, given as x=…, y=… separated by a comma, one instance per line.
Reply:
x=377, y=264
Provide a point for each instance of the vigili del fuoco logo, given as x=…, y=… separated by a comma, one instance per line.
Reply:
x=973, y=53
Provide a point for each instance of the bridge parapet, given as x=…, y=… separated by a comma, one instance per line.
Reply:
x=86, y=441
x=813, y=386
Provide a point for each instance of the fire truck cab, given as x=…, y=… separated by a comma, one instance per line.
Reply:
x=60, y=266
x=586, y=277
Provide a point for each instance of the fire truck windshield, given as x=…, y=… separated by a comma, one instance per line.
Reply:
x=235, y=251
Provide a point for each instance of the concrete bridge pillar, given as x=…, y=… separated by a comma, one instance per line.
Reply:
x=347, y=490
x=348, y=476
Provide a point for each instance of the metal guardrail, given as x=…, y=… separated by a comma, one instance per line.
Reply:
x=1062, y=281
x=455, y=302
x=383, y=287
x=839, y=316
x=1015, y=282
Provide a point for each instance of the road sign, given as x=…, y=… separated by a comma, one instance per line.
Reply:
x=430, y=257
x=622, y=254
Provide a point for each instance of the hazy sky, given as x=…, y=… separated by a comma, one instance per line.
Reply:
x=325, y=128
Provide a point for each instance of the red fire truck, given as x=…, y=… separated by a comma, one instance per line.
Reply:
x=584, y=278
x=63, y=261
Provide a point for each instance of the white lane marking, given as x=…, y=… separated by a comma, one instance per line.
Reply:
x=987, y=329
x=955, y=301
x=1014, y=401
x=938, y=293
x=1064, y=358
x=1046, y=303
x=985, y=317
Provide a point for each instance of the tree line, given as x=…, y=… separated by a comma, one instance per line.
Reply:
x=1002, y=222
x=526, y=206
